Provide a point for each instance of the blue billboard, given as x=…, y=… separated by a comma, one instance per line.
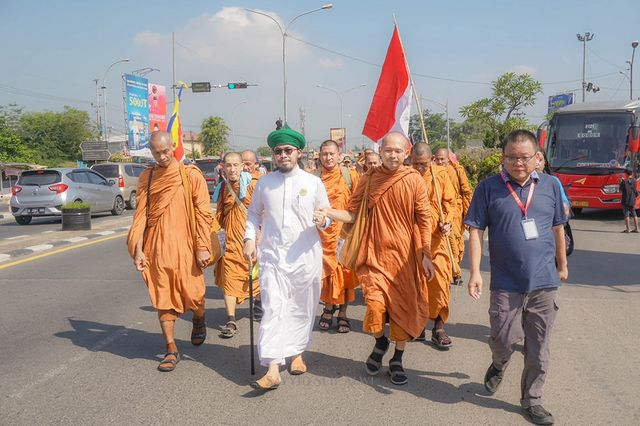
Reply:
x=137, y=93
x=558, y=101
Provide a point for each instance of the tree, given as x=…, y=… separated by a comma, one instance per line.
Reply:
x=263, y=151
x=511, y=92
x=214, y=135
x=56, y=136
x=436, y=126
x=12, y=150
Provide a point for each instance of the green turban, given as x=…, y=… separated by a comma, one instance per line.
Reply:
x=286, y=136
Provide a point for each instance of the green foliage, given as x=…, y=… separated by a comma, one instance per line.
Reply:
x=263, y=151
x=76, y=205
x=511, y=92
x=480, y=164
x=435, y=123
x=120, y=157
x=12, y=150
x=214, y=136
x=55, y=136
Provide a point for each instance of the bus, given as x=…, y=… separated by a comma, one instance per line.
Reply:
x=589, y=147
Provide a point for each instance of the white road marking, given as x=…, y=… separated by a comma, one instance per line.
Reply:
x=48, y=232
x=76, y=239
x=40, y=247
x=17, y=237
x=106, y=232
x=4, y=257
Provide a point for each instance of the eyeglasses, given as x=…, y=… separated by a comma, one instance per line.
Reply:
x=514, y=160
x=286, y=151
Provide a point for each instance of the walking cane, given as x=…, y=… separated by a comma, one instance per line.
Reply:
x=253, y=364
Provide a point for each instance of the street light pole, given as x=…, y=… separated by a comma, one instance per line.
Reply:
x=233, y=129
x=634, y=44
x=340, y=100
x=284, y=34
x=104, y=98
x=584, y=38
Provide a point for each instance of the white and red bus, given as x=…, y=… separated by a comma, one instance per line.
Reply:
x=589, y=146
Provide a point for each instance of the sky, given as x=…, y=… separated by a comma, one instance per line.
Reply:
x=53, y=51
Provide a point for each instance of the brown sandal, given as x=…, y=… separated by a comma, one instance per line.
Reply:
x=440, y=339
x=173, y=362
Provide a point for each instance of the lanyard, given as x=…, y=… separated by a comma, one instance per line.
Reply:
x=524, y=208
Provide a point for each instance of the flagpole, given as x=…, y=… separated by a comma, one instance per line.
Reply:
x=454, y=268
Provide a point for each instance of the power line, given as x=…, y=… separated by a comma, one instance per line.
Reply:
x=40, y=95
x=604, y=60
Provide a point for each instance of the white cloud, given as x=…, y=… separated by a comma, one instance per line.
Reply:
x=524, y=69
x=148, y=38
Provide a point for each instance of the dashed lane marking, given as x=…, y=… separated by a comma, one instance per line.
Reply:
x=106, y=232
x=4, y=257
x=39, y=247
x=51, y=253
x=76, y=239
x=17, y=237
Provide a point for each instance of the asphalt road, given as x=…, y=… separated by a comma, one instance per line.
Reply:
x=80, y=345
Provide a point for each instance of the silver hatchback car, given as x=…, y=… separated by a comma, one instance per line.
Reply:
x=44, y=192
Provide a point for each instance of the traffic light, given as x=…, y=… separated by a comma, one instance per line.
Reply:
x=239, y=85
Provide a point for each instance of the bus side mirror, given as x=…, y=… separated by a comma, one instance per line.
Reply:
x=633, y=140
x=541, y=135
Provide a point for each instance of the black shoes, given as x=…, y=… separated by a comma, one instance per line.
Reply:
x=538, y=415
x=492, y=379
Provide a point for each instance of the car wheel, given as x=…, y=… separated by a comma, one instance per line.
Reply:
x=133, y=201
x=23, y=220
x=118, y=206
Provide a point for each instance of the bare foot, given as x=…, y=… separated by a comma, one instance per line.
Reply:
x=298, y=366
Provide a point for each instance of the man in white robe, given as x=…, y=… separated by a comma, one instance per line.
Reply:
x=289, y=206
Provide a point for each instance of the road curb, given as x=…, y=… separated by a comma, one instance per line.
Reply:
x=57, y=243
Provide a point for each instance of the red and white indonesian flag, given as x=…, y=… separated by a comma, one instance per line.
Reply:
x=391, y=106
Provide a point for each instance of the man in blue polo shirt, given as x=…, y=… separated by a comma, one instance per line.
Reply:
x=523, y=211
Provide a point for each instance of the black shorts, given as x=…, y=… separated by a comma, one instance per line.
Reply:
x=629, y=211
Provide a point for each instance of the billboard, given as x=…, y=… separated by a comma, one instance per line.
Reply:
x=339, y=134
x=137, y=88
x=157, y=107
x=558, y=101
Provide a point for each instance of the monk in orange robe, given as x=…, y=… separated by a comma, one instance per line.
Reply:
x=464, y=193
x=394, y=261
x=232, y=271
x=170, y=242
x=338, y=282
x=443, y=213
x=251, y=164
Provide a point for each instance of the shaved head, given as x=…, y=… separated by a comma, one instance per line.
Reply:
x=250, y=161
x=421, y=149
x=393, y=150
x=232, y=156
x=372, y=159
x=421, y=157
x=232, y=163
x=395, y=137
x=441, y=157
x=161, y=146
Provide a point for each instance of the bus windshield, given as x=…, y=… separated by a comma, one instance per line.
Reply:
x=593, y=142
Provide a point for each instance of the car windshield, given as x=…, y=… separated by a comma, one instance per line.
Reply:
x=107, y=170
x=209, y=168
x=39, y=177
x=589, y=141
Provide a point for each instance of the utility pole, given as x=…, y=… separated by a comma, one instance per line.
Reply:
x=98, y=124
x=634, y=44
x=584, y=38
x=173, y=64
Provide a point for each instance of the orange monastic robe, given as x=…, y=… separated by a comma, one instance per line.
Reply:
x=439, y=285
x=174, y=280
x=389, y=265
x=232, y=271
x=338, y=282
x=464, y=193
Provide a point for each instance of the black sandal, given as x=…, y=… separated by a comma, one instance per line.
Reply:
x=343, y=325
x=325, y=323
x=440, y=339
x=229, y=330
x=198, y=338
x=374, y=362
x=173, y=362
x=397, y=374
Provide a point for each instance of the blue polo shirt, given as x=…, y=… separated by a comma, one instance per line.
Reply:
x=518, y=265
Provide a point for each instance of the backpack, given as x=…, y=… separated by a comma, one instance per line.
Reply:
x=346, y=176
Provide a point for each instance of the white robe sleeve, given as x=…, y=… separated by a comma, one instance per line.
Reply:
x=254, y=214
x=322, y=202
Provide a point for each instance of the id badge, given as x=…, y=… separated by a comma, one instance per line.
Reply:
x=530, y=229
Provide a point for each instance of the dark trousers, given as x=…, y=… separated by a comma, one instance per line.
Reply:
x=529, y=316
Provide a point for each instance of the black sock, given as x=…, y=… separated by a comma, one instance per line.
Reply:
x=231, y=318
x=382, y=342
x=397, y=356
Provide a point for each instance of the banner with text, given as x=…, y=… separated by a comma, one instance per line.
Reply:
x=137, y=89
x=157, y=107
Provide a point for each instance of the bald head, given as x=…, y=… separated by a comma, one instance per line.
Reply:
x=372, y=160
x=250, y=161
x=421, y=149
x=232, y=164
x=161, y=146
x=421, y=157
x=393, y=150
x=232, y=156
x=441, y=157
